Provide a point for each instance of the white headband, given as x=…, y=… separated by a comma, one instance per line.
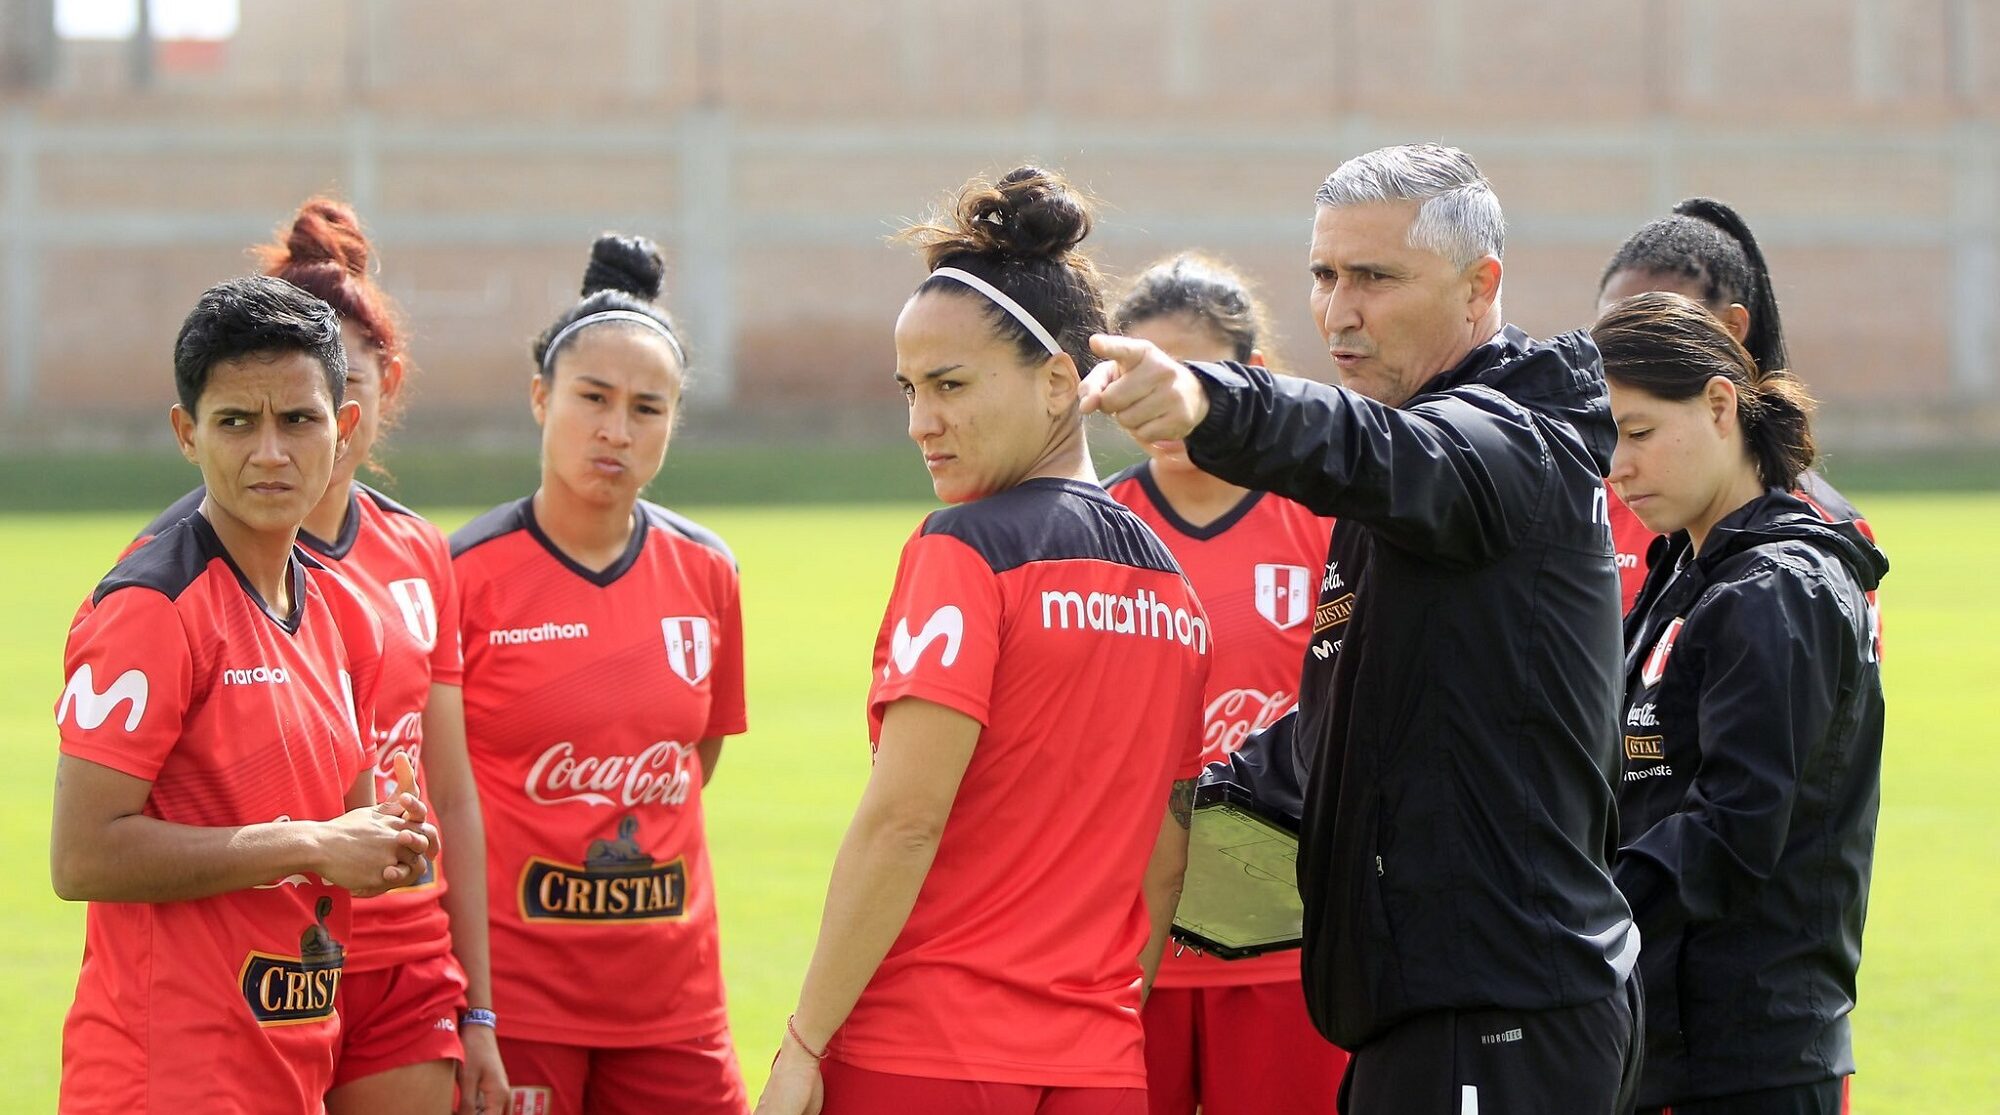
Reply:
x=1000, y=299
x=634, y=316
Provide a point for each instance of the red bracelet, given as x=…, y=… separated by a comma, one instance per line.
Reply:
x=792, y=1029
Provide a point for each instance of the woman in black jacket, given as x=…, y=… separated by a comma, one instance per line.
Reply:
x=1752, y=724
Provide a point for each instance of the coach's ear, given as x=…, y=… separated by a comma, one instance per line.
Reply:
x=183, y=423
x=538, y=397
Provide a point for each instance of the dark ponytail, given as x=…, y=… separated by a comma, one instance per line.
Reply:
x=1670, y=347
x=1708, y=244
x=1021, y=234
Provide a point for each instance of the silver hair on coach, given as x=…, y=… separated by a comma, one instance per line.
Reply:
x=633, y=316
x=1459, y=217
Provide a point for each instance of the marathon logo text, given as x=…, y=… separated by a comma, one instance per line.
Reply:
x=541, y=633
x=552, y=891
x=1143, y=614
x=257, y=675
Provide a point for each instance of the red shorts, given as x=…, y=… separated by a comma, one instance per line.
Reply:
x=853, y=1091
x=698, y=1076
x=398, y=1016
x=1238, y=1051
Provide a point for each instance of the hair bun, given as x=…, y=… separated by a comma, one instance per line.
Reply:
x=1030, y=212
x=323, y=231
x=627, y=264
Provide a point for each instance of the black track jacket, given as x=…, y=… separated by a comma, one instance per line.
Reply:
x=1752, y=775
x=1456, y=729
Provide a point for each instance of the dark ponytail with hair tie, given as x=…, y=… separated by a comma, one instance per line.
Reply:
x=1766, y=337
x=1670, y=347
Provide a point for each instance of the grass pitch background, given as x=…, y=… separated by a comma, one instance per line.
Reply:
x=815, y=579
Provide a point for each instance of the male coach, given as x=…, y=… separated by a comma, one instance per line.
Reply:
x=1456, y=716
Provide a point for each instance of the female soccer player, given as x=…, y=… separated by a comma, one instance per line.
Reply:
x=1229, y=1037
x=1753, y=724
x=213, y=802
x=1705, y=251
x=1003, y=893
x=416, y=1002
x=603, y=668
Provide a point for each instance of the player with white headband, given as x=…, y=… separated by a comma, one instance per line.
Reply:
x=1002, y=896
x=603, y=668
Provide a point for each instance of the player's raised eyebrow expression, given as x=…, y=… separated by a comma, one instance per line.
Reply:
x=649, y=396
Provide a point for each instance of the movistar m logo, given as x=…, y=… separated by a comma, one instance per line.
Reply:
x=94, y=708
x=947, y=623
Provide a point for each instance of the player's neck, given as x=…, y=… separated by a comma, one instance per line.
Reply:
x=1198, y=498
x=329, y=516
x=593, y=535
x=1066, y=458
x=264, y=559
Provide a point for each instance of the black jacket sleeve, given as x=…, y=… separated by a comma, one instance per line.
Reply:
x=1269, y=767
x=1771, y=649
x=1457, y=478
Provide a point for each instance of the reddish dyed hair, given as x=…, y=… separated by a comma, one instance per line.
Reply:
x=324, y=252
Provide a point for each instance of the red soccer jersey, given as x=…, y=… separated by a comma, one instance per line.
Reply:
x=585, y=696
x=1629, y=541
x=400, y=565
x=1256, y=570
x=178, y=675
x=1057, y=620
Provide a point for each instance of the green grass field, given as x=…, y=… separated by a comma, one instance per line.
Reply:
x=815, y=579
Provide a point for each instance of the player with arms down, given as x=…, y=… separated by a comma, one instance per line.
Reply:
x=1003, y=893
x=603, y=667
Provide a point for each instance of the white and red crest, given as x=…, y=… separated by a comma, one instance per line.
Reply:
x=688, y=649
x=1656, y=662
x=413, y=599
x=1281, y=595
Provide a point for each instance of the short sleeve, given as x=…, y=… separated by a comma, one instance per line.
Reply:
x=128, y=683
x=447, y=651
x=940, y=637
x=726, y=715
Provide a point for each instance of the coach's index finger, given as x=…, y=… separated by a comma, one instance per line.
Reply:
x=1090, y=392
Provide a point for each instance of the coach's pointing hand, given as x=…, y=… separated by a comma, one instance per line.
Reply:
x=1152, y=395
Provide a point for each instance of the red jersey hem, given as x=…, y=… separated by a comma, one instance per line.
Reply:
x=993, y=1072
x=113, y=758
x=617, y=1037
x=956, y=700
x=362, y=960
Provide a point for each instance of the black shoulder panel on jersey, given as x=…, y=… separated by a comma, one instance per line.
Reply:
x=1046, y=519
x=502, y=520
x=1121, y=476
x=384, y=502
x=686, y=528
x=168, y=564
x=175, y=512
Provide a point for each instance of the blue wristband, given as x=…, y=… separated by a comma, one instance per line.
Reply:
x=479, y=1016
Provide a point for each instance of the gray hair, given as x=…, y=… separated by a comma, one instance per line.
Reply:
x=1459, y=218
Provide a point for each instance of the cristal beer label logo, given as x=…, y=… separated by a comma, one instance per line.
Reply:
x=617, y=881
x=290, y=990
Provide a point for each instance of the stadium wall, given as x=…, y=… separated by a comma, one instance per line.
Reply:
x=771, y=146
